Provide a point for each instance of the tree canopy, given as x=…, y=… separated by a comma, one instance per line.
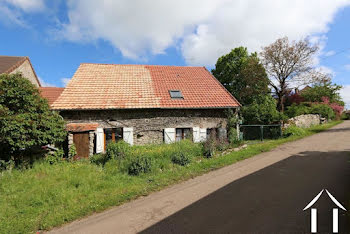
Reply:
x=242, y=74
x=321, y=90
x=26, y=121
x=290, y=65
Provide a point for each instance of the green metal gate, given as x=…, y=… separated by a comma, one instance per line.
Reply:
x=260, y=132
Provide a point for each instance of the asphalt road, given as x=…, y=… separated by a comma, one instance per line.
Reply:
x=271, y=200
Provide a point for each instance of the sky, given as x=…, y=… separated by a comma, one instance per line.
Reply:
x=58, y=35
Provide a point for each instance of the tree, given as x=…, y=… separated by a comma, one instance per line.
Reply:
x=321, y=90
x=262, y=111
x=290, y=65
x=242, y=75
x=26, y=122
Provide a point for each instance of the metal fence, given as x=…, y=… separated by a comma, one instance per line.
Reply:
x=260, y=132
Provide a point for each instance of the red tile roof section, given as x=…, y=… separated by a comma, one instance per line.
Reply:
x=9, y=63
x=109, y=86
x=50, y=93
x=81, y=127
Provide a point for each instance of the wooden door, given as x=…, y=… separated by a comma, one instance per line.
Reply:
x=82, y=143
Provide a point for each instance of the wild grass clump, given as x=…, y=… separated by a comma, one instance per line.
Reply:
x=294, y=131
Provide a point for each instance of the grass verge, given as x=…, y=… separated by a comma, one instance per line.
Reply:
x=46, y=195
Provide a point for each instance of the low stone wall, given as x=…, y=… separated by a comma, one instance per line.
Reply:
x=304, y=121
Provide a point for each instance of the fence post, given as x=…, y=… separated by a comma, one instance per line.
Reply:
x=261, y=132
x=281, y=130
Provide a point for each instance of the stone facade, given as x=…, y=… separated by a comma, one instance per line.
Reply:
x=148, y=125
x=26, y=70
x=304, y=121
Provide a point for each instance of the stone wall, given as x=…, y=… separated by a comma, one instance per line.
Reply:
x=27, y=72
x=304, y=121
x=148, y=125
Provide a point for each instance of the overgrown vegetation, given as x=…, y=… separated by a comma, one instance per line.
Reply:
x=50, y=194
x=26, y=122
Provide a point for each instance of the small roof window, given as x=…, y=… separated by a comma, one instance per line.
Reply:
x=176, y=94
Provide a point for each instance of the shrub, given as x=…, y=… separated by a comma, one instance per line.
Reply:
x=209, y=146
x=296, y=110
x=72, y=152
x=26, y=121
x=322, y=109
x=261, y=111
x=99, y=159
x=55, y=157
x=6, y=165
x=181, y=158
x=139, y=164
x=293, y=131
x=117, y=150
x=233, y=137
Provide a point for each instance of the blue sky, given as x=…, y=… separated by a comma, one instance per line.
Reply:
x=59, y=35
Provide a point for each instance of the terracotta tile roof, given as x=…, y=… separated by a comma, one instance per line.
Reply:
x=81, y=127
x=109, y=86
x=10, y=63
x=50, y=93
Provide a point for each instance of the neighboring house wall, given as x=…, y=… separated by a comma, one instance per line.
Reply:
x=27, y=72
x=148, y=125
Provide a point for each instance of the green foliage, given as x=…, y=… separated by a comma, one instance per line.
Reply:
x=324, y=110
x=242, y=75
x=294, y=131
x=26, y=121
x=99, y=159
x=261, y=111
x=325, y=89
x=55, y=157
x=181, y=158
x=139, y=164
x=72, y=152
x=296, y=110
x=117, y=150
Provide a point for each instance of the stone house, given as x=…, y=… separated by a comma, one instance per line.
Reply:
x=19, y=64
x=142, y=104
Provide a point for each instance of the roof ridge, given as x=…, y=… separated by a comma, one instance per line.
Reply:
x=119, y=64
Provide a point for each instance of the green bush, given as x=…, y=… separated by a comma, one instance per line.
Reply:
x=55, y=157
x=209, y=146
x=26, y=121
x=117, y=150
x=140, y=164
x=324, y=110
x=296, y=110
x=294, y=131
x=99, y=159
x=72, y=152
x=181, y=158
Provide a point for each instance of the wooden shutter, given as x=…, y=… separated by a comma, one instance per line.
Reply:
x=99, y=140
x=128, y=135
x=202, y=134
x=196, y=136
x=169, y=135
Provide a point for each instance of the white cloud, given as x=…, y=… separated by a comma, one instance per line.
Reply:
x=65, y=81
x=27, y=5
x=347, y=67
x=345, y=94
x=11, y=11
x=202, y=29
x=329, y=53
x=44, y=83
